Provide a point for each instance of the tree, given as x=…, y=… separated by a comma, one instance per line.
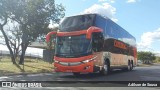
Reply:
x=3, y=21
x=14, y=35
x=33, y=16
x=146, y=57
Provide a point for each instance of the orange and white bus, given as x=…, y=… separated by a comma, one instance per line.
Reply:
x=92, y=43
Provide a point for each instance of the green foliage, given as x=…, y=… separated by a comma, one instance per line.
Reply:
x=157, y=60
x=33, y=17
x=37, y=15
x=146, y=57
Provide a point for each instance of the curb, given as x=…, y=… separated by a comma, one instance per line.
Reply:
x=24, y=74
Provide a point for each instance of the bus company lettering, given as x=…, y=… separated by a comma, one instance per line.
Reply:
x=119, y=44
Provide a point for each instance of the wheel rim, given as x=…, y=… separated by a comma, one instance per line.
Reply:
x=129, y=67
x=105, y=69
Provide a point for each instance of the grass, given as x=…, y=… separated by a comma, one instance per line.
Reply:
x=145, y=65
x=148, y=65
x=30, y=66
x=156, y=61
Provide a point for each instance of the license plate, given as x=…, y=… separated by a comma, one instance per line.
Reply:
x=69, y=70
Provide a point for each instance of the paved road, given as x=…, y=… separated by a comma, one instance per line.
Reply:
x=151, y=73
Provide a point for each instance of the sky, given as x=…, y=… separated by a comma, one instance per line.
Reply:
x=139, y=17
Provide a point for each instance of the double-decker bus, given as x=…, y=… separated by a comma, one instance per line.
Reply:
x=92, y=43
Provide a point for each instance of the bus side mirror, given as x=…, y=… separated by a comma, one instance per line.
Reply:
x=91, y=30
x=50, y=39
x=88, y=36
x=48, y=36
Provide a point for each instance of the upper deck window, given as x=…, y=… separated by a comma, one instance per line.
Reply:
x=76, y=23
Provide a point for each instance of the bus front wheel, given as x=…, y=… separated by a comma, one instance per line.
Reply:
x=105, y=70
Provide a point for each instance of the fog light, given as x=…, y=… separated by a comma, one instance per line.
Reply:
x=87, y=67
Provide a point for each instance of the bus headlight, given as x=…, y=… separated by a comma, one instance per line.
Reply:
x=88, y=60
x=85, y=61
x=56, y=61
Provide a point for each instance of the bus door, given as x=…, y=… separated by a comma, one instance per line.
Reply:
x=97, y=47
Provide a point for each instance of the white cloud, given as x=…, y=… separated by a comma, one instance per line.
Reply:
x=112, y=1
x=148, y=38
x=109, y=1
x=131, y=1
x=105, y=10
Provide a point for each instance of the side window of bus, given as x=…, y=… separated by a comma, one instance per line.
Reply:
x=97, y=42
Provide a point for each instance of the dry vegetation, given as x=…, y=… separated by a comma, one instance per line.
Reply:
x=30, y=66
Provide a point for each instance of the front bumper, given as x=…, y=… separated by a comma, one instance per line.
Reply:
x=83, y=67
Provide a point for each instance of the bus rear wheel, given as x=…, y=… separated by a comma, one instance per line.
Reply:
x=130, y=65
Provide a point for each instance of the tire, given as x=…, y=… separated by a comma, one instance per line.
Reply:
x=130, y=66
x=76, y=73
x=105, y=70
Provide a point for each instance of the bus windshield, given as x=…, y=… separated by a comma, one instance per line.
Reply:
x=72, y=46
x=80, y=22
